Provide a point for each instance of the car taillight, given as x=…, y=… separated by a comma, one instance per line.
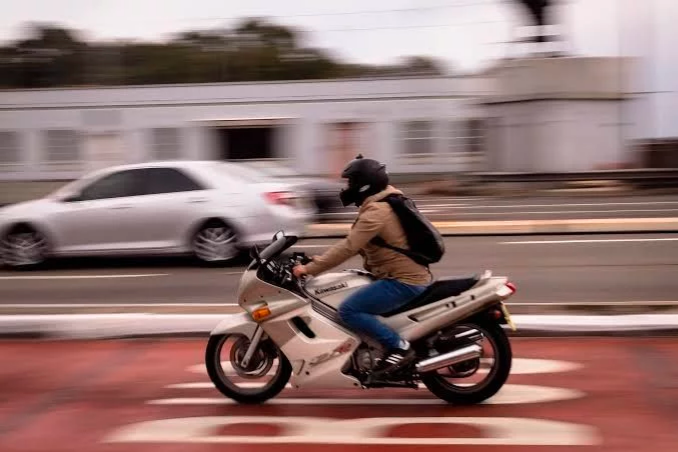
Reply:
x=280, y=197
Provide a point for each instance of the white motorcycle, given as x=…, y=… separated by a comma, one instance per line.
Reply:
x=293, y=323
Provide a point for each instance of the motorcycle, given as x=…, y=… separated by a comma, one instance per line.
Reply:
x=293, y=323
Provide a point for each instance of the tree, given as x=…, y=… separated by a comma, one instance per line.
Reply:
x=253, y=50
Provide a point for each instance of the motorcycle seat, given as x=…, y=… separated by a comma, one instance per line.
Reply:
x=438, y=290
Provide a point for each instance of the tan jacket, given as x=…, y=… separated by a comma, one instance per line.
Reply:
x=375, y=218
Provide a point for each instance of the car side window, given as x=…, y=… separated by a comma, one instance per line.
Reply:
x=169, y=180
x=115, y=185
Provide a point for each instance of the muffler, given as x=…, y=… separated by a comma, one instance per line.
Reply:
x=450, y=358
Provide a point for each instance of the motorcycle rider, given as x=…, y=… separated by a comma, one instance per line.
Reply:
x=399, y=279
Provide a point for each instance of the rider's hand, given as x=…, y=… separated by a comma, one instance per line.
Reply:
x=299, y=270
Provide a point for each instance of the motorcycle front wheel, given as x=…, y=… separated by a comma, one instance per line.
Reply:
x=243, y=384
x=455, y=384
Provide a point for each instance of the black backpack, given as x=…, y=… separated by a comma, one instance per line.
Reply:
x=425, y=242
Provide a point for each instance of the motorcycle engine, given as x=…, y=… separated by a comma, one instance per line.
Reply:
x=364, y=359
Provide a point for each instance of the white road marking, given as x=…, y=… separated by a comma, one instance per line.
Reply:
x=56, y=277
x=225, y=365
x=115, y=305
x=298, y=430
x=515, y=206
x=554, y=212
x=521, y=366
x=595, y=303
x=443, y=205
x=510, y=394
x=312, y=246
x=537, y=242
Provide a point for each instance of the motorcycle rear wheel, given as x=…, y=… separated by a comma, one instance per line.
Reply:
x=266, y=351
x=498, y=375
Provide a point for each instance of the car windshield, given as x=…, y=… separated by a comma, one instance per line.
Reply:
x=70, y=187
x=243, y=172
x=271, y=169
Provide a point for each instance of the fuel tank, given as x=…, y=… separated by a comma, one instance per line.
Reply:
x=333, y=288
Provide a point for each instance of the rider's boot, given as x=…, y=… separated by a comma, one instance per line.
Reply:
x=396, y=359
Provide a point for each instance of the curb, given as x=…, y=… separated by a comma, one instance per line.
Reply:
x=524, y=227
x=115, y=326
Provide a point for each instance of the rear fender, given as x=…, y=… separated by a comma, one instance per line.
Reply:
x=236, y=324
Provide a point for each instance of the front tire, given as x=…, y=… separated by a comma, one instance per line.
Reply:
x=496, y=378
x=266, y=351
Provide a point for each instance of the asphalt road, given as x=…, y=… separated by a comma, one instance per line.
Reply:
x=551, y=269
x=536, y=208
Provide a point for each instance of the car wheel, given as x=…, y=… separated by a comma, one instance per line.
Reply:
x=215, y=243
x=23, y=247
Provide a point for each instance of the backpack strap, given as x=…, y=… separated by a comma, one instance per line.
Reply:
x=379, y=241
x=409, y=253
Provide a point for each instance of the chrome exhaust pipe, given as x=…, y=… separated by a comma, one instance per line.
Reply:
x=448, y=359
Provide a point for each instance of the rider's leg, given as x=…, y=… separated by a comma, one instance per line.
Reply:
x=359, y=310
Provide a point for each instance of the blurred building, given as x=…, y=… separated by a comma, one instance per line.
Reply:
x=541, y=114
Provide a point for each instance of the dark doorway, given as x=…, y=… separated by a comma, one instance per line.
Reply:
x=246, y=143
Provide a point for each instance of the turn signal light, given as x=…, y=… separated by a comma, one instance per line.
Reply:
x=261, y=313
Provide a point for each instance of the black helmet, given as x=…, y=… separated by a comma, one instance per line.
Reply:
x=366, y=177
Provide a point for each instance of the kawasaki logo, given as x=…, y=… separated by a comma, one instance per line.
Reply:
x=330, y=288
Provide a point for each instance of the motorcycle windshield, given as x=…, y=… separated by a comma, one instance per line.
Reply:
x=277, y=246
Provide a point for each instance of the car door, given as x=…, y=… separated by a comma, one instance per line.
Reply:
x=174, y=200
x=102, y=216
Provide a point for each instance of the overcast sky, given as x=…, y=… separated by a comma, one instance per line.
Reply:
x=467, y=34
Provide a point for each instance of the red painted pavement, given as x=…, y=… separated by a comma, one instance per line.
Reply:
x=71, y=396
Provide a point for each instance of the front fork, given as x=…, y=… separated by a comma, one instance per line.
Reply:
x=256, y=339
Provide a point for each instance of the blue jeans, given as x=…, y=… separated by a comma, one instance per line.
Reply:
x=377, y=298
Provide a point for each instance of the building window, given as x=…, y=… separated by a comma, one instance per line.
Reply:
x=457, y=136
x=166, y=144
x=10, y=151
x=466, y=136
x=475, y=141
x=418, y=139
x=63, y=149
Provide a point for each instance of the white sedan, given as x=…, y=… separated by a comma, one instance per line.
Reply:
x=208, y=208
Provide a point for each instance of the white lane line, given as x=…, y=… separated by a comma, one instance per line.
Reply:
x=423, y=209
x=561, y=212
x=510, y=394
x=56, y=277
x=312, y=246
x=538, y=242
x=596, y=303
x=514, y=206
x=116, y=305
x=442, y=205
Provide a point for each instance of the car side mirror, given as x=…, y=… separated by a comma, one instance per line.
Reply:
x=278, y=235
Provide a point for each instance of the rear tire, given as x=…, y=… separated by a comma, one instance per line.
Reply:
x=23, y=248
x=215, y=244
x=504, y=358
x=226, y=387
